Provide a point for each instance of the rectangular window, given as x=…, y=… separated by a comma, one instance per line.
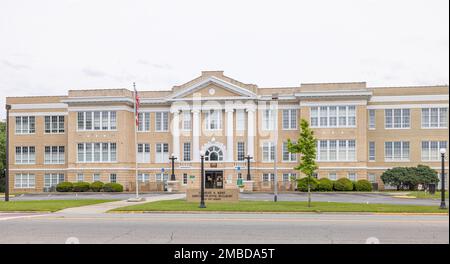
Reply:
x=396, y=151
x=434, y=117
x=54, y=124
x=162, y=153
x=113, y=178
x=241, y=151
x=54, y=155
x=352, y=176
x=332, y=176
x=161, y=121
x=287, y=177
x=372, y=119
x=336, y=150
x=289, y=119
x=24, y=181
x=240, y=120
x=268, y=177
x=431, y=150
x=53, y=179
x=96, y=152
x=371, y=177
x=161, y=177
x=397, y=118
x=267, y=119
x=143, y=177
x=333, y=116
x=213, y=119
x=25, y=155
x=96, y=120
x=268, y=151
x=80, y=177
x=187, y=151
x=25, y=124
x=187, y=121
x=143, y=153
x=288, y=156
x=371, y=151
x=185, y=178
x=144, y=122
x=95, y=177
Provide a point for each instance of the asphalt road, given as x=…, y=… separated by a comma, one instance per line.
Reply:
x=223, y=228
x=297, y=196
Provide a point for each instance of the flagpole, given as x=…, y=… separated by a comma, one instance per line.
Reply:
x=135, y=143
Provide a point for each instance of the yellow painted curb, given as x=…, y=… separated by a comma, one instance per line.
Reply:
x=405, y=197
x=237, y=212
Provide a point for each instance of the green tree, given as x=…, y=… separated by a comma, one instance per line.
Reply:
x=410, y=177
x=426, y=175
x=2, y=155
x=306, y=147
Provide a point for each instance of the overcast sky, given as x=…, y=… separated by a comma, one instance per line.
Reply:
x=49, y=47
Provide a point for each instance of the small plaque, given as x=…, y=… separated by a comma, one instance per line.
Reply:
x=213, y=195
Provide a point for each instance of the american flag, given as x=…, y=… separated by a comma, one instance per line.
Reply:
x=136, y=102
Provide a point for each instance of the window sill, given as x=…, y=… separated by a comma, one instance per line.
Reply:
x=397, y=128
x=434, y=128
x=397, y=161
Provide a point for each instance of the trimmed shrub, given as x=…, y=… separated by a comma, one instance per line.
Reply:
x=81, y=186
x=343, y=184
x=64, y=187
x=302, y=184
x=363, y=186
x=97, y=186
x=325, y=185
x=113, y=187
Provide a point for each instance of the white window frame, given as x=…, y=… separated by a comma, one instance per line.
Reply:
x=392, y=116
x=240, y=120
x=185, y=179
x=332, y=176
x=371, y=119
x=52, y=158
x=30, y=125
x=348, y=150
x=289, y=119
x=213, y=117
x=268, y=116
x=268, y=177
x=144, y=122
x=96, y=118
x=162, y=121
x=29, y=183
x=240, y=151
x=291, y=157
x=353, y=175
x=143, y=153
x=112, y=152
x=187, y=150
x=80, y=177
x=392, y=158
x=320, y=116
x=268, y=150
x=432, y=156
x=372, y=177
x=163, y=156
x=440, y=118
x=96, y=177
x=143, y=177
x=53, y=179
x=372, y=151
x=113, y=178
x=30, y=157
x=50, y=124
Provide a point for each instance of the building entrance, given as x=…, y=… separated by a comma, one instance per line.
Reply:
x=214, y=179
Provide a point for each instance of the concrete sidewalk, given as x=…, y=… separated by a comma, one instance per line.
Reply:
x=104, y=207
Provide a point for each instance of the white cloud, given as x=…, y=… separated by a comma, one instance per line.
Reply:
x=53, y=46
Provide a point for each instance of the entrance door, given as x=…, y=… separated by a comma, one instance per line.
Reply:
x=214, y=179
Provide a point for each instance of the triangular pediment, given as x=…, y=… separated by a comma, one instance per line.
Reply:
x=213, y=87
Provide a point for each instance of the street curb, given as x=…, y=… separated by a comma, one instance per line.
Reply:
x=236, y=212
x=27, y=212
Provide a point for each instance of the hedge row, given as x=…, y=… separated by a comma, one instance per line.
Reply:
x=327, y=185
x=85, y=187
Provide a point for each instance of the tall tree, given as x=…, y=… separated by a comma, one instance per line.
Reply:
x=2, y=155
x=306, y=147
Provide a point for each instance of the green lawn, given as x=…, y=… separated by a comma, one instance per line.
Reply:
x=46, y=205
x=426, y=195
x=261, y=206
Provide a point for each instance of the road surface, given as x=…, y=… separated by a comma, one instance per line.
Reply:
x=223, y=228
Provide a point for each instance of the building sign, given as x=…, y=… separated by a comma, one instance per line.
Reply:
x=213, y=195
x=213, y=165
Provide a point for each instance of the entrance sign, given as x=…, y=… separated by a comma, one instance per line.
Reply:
x=213, y=195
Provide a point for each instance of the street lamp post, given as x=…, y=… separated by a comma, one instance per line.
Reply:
x=173, y=158
x=202, y=180
x=443, y=151
x=248, y=158
x=8, y=107
x=275, y=158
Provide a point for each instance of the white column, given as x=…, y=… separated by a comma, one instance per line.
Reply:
x=176, y=133
x=251, y=131
x=196, y=135
x=230, y=130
